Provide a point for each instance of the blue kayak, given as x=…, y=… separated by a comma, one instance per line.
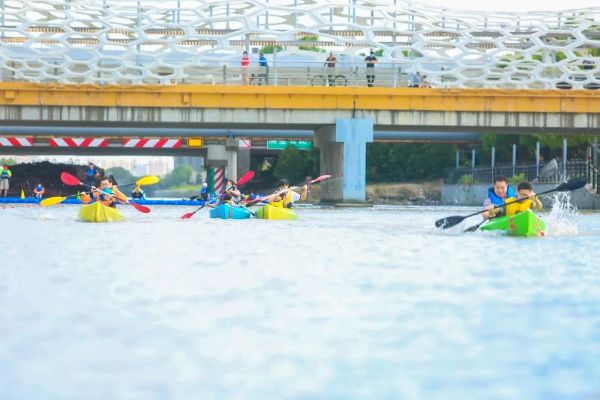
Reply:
x=226, y=211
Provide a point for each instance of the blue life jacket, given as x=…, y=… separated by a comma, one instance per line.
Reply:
x=497, y=201
x=90, y=172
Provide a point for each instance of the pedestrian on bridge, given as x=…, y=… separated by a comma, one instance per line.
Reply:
x=330, y=64
x=371, y=60
x=91, y=174
x=264, y=66
x=245, y=64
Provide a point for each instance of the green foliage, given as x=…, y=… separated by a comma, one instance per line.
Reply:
x=466, y=180
x=270, y=48
x=311, y=38
x=7, y=161
x=515, y=180
x=397, y=162
x=290, y=165
x=178, y=176
x=121, y=175
x=294, y=164
x=378, y=53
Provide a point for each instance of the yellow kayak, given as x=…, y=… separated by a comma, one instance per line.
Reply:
x=96, y=212
x=270, y=212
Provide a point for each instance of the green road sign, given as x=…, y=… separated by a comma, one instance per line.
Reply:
x=283, y=144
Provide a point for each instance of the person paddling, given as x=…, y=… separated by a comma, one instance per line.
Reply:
x=105, y=194
x=204, y=194
x=497, y=196
x=38, y=191
x=528, y=199
x=285, y=197
x=231, y=195
x=138, y=193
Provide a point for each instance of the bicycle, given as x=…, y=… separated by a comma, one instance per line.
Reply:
x=329, y=80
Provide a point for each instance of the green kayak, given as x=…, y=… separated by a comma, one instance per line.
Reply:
x=523, y=224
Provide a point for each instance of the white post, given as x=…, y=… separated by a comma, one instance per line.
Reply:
x=514, y=158
x=493, y=161
x=564, y=159
x=457, y=159
x=537, y=159
x=473, y=163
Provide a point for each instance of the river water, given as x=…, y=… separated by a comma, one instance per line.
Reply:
x=342, y=304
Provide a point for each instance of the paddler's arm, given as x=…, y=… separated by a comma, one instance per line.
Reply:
x=304, y=193
x=535, y=202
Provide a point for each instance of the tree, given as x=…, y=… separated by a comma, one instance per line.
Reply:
x=178, y=176
x=290, y=165
x=122, y=176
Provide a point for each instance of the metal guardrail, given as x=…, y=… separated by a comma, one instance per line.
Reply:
x=529, y=171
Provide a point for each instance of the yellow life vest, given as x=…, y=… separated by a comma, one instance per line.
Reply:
x=283, y=203
x=518, y=207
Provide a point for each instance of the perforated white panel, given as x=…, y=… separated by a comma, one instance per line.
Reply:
x=133, y=42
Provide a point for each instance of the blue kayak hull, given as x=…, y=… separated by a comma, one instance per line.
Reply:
x=225, y=211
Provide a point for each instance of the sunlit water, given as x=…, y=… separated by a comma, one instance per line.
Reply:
x=341, y=304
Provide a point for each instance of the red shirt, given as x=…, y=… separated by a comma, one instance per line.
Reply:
x=245, y=61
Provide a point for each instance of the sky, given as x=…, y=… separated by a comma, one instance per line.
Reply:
x=513, y=5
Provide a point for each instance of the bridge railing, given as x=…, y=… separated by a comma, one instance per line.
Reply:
x=287, y=73
x=530, y=172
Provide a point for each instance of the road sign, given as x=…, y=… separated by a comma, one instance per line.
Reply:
x=283, y=144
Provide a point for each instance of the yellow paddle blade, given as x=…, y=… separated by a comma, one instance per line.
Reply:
x=50, y=201
x=148, y=180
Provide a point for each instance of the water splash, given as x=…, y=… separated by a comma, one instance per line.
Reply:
x=562, y=220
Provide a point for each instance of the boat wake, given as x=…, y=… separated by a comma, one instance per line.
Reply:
x=562, y=220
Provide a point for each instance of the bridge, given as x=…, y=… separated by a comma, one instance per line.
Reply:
x=163, y=75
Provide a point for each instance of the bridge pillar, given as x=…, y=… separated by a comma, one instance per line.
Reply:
x=232, y=146
x=344, y=155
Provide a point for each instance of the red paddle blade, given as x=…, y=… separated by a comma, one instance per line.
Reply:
x=319, y=179
x=245, y=178
x=69, y=179
x=140, y=207
x=187, y=215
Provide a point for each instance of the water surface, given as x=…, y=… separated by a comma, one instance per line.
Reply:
x=342, y=304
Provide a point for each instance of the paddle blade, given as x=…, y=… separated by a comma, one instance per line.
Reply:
x=148, y=180
x=188, y=215
x=449, y=222
x=50, y=201
x=140, y=207
x=319, y=179
x=573, y=184
x=245, y=178
x=69, y=179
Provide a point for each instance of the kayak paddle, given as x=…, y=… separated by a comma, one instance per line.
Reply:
x=51, y=201
x=259, y=199
x=573, y=184
x=244, y=179
x=71, y=180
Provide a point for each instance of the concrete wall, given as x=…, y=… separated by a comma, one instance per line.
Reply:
x=474, y=195
x=419, y=120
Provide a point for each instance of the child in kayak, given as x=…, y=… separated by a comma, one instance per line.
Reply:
x=525, y=198
x=106, y=194
x=285, y=197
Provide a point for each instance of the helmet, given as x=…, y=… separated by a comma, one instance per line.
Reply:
x=204, y=184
